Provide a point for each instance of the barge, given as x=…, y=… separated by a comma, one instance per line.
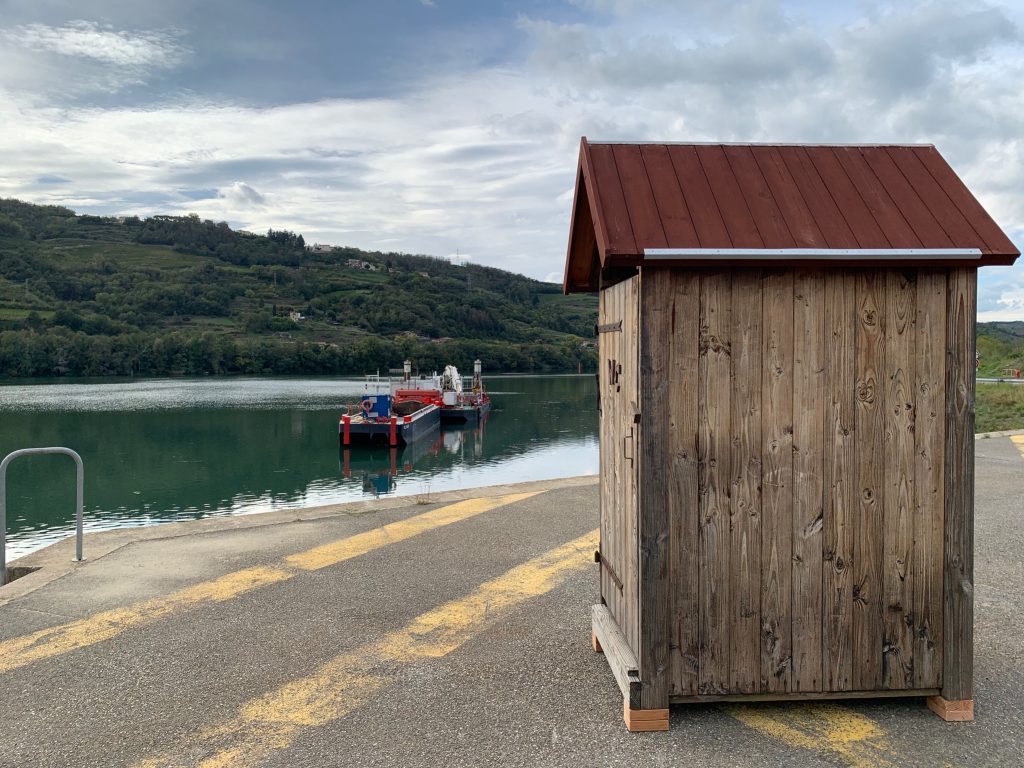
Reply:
x=400, y=413
x=459, y=406
x=446, y=390
x=383, y=421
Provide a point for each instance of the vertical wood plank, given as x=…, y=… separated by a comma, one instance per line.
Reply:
x=867, y=555
x=630, y=399
x=745, y=489
x=840, y=481
x=713, y=456
x=652, y=451
x=899, y=507
x=614, y=502
x=684, y=493
x=604, y=480
x=616, y=474
x=958, y=573
x=777, y=483
x=809, y=407
x=930, y=432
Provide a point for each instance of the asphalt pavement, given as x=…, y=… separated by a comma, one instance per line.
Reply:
x=449, y=630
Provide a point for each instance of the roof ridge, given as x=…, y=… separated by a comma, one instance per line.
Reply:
x=762, y=144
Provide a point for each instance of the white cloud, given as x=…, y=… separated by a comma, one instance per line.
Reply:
x=84, y=54
x=241, y=195
x=92, y=41
x=483, y=161
x=1009, y=306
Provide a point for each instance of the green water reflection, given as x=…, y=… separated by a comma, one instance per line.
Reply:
x=159, y=451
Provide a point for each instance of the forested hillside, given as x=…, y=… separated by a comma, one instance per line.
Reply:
x=98, y=296
x=1000, y=348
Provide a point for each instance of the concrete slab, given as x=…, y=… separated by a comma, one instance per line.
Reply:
x=520, y=685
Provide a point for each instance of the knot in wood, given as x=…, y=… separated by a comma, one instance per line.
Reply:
x=866, y=391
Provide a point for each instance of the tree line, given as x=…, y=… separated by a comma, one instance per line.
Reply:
x=63, y=352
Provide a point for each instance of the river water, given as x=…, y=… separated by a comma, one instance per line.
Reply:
x=168, y=450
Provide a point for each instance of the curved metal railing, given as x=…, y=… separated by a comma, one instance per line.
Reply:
x=3, y=500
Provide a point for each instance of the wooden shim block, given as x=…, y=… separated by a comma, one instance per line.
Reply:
x=653, y=591
x=776, y=625
x=958, y=575
x=809, y=411
x=839, y=483
x=930, y=435
x=870, y=426
x=713, y=453
x=961, y=711
x=745, y=484
x=683, y=490
x=621, y=659
x=899, y=507
x=644, y=720
x=595, y=643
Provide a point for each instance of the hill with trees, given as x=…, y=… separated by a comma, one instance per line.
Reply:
x=178, y=295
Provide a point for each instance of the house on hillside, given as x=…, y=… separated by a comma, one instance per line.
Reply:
x=360, y=264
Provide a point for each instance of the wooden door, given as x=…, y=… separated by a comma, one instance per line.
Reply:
x=808, y=479
x=618, y=388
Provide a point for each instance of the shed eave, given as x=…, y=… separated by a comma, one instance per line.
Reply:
x=815, y=254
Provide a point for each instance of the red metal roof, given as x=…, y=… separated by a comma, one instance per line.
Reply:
x=632, y=197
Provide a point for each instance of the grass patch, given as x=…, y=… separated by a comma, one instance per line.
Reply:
x=21, y=314
x=999, y=407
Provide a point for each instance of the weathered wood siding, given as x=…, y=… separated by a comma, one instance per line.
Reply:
x=618, y=392
x=813, y=430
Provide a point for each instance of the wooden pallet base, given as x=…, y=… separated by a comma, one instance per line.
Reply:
x=642, y=720
x=952, y=711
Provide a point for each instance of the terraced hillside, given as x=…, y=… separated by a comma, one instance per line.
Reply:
x=95, y=296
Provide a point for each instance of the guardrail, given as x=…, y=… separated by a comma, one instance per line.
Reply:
x=3, y=500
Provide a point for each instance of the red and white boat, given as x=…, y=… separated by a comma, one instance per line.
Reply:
x=446, y=390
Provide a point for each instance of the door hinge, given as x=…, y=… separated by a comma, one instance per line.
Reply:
x=611, y=572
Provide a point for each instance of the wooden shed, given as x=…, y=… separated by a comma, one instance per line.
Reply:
x=786, y=342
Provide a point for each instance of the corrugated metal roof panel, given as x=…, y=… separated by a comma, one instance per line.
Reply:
x=771, y=196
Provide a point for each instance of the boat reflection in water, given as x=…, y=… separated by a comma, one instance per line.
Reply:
x=379, y=468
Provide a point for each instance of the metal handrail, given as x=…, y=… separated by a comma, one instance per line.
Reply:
x=3, y=500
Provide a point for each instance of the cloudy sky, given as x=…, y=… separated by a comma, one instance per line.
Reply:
x=451, y=127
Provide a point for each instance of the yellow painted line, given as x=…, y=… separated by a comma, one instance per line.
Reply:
x=857, y=740
x=54, y=641
x=1018, y=440
x=272, y=722
x=339, y=551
